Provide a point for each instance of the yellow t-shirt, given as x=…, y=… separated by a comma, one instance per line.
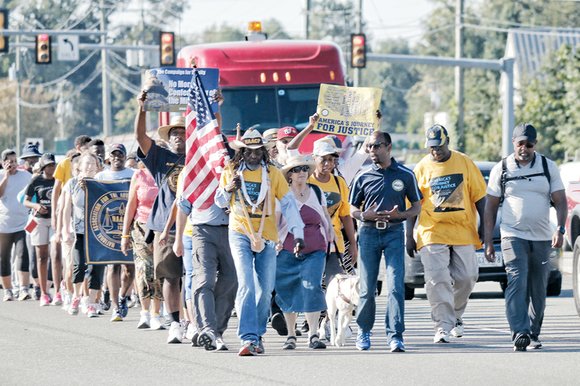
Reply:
x=188, y=230
x=450, y=190
x=253, y=179
x=337, y=203
x=63, y=171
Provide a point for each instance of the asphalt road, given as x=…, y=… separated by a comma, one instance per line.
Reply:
x=46, y=346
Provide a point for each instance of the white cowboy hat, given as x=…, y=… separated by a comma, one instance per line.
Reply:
x=270, y=135
x=301, y=160
x=252, y=139
x=176, y=121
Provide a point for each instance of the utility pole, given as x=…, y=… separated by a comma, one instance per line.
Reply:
x=17, y=75
x=357, y=78
x=107, y=122
x=459, y=88
x=307, y=19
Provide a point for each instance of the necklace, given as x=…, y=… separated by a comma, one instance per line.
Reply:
x=303, y=191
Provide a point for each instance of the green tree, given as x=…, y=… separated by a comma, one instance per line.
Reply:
x=552, y=105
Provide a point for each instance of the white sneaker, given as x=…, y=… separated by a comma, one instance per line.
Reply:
x=66, y=300
x=175, y=333
x=84, y=304
x=8, y=295
x=155, y=322
x=220, y=345
x=207, y=340
x=441, y=336
x=458, y=330
x=144, y=320
x=535, y=343
x=191, y=331
x=92, y=311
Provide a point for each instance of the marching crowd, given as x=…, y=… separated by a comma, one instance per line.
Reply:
x=283, y=225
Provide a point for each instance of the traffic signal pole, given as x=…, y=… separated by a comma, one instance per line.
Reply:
x=357, y=74
x=504, y=65
x=106, y=87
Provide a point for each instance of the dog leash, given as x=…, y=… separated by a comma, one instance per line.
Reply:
x=340, y=294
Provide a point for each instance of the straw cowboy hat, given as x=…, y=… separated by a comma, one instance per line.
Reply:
x=300, y=160
x=176, y=121
x=252, y=139
x=270, y=135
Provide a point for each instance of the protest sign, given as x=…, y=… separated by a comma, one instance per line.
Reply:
x=348, y=110
x=105, y=203
x=168, y=87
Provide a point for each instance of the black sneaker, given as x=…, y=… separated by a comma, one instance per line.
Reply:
x=37, y=292
x=106, y=300
x=521, y=342
x=305, y=327
x=279, y=324
x=316, y=343
x=207, y=340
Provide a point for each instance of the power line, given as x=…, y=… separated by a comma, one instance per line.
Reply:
x=65, y=76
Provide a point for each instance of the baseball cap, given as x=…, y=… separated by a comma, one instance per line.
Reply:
x=524, y=132
x=287, y=132
x=117, y=147
x=436, y=135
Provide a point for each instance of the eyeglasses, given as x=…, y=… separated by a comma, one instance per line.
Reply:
x=528, y=145
x=376, y=145
x=298, y=169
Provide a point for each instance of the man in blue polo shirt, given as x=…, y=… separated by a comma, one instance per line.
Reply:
x=377, y=200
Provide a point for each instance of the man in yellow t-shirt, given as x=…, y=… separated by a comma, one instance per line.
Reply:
x=249, y=187
x=453, y=192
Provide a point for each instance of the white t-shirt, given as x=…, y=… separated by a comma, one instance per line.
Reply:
x=13, y=214
x=109, y=175
x=525, y=212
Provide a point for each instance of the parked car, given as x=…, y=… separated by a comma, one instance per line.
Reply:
x=488, y=271
x=576, y=274
x=570, y=173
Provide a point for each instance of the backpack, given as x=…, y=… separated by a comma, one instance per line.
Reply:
x=504, y=178
x=317, y=191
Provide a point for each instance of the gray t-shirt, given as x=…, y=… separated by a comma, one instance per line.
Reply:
x=78, y=205
x=526, y=209
x=13, y=214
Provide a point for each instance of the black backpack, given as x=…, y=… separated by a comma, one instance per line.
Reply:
x=504, y=178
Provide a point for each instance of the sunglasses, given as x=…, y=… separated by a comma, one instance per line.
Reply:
x=528, y=145
x=376, y=145
x=298, y=169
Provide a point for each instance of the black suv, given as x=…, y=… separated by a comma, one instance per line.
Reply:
x=414, y=272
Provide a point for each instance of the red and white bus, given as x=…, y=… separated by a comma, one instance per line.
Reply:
x=269, y=83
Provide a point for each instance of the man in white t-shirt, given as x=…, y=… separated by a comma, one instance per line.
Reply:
x=119, y=285
x=525, y=182
x=13, y=219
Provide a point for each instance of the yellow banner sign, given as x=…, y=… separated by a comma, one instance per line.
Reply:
x=348, y=110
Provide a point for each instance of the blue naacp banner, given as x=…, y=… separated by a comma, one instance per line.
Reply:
x=105, y=203
x=168, y=88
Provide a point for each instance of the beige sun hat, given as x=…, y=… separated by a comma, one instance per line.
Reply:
x=270, y=135
x=176, y=121
x=325, y=146
x=251, y=139
x=300, y=160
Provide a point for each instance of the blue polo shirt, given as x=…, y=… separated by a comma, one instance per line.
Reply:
x=387, y=187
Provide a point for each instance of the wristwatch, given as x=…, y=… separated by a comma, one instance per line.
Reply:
x=561, y=229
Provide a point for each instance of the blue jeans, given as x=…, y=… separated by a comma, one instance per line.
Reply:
x=256, y=274
x=527, y=264
x=188, y=266
x=372, y=244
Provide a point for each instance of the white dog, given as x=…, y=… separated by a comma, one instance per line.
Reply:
x=342, y=295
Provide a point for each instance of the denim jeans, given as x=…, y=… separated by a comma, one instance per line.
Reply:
x=373, y=243
x=527, y=264
x=188, y=266
x=256, y=274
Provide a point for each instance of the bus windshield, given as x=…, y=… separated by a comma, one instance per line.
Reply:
x=268, y=107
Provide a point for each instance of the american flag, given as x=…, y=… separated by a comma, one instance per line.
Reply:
x=205, y=151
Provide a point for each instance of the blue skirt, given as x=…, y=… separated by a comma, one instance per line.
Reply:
x=299, y=282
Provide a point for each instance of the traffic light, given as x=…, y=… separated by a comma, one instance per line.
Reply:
x=43, y=49
x=167, y=48
x=3, y=25
x=358, y=51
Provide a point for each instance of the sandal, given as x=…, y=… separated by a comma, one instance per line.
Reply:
x=316, y=343
x=290, y=343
